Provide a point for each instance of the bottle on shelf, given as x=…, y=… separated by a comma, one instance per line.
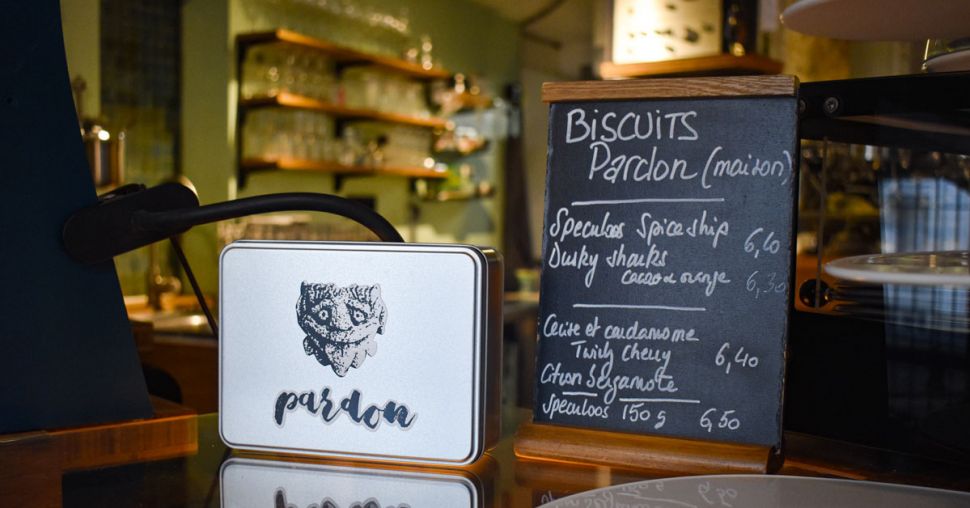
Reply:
x=740, y=34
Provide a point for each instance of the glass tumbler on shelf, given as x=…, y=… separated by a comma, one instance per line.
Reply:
x=320, y=78
x=280, y=146
x=272, y=73
x=302, y=70
x=251, y=142
x=317, y=147
x=254, y=72
x=388, y=96
x=299, y=134
x=373, y=94
x=323, y=129
x=258, y=134
x=351, y=148
x=414, y=100
x=352, y=84
x=426, y=56
x=411, y=52
x=288, y=71
x=370, y=31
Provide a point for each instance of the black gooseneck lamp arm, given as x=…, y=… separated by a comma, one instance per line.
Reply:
x=134, y=216
x=183, y=219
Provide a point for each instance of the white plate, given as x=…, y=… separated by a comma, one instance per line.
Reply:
x=880, y=20
x=763, y=491
x=949, y=62
x=950, y=268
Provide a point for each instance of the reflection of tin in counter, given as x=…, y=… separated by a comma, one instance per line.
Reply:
x=248, y=482
x=387, y=352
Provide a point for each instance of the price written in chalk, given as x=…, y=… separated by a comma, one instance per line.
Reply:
x=762, y=284
x=759, y=241
x=741, y=358
x=710, y=419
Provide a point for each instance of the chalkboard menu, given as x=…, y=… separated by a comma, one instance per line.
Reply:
x=667, y=255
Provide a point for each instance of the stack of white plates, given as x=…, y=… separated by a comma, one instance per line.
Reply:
x=948, y=268
x=763, y=491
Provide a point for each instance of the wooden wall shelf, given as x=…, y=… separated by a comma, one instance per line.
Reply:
x=286, y=164
x=458, y=152
x=289, y=100
x=717, y=65
x=341, y=54
x=455, y=196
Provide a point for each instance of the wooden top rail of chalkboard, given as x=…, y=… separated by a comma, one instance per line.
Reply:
x=737, y=86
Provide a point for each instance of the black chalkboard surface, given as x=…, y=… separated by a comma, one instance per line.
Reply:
x=667, y=254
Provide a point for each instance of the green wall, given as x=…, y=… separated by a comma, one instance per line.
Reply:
x=467, y=38
x=81, y=20
x=207, y=154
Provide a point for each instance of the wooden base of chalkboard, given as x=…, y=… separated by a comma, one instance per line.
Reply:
x=662, y=455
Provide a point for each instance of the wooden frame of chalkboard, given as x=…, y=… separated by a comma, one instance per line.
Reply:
x=668, y=250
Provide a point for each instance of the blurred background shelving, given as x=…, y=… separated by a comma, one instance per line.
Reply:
x=289, y=100
x=429, y=111
x=341, y=54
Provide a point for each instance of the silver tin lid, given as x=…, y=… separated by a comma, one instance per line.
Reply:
x=356, y=350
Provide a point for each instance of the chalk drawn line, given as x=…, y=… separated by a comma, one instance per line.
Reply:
x=675, y=401
x=646, y=200
x=640, y=307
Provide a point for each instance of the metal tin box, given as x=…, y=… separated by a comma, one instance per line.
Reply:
x=261, y=483
x=377, y=351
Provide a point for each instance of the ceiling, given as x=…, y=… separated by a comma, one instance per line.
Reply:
x=570, y=21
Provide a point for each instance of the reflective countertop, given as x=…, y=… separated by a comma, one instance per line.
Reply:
x=217, y=476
